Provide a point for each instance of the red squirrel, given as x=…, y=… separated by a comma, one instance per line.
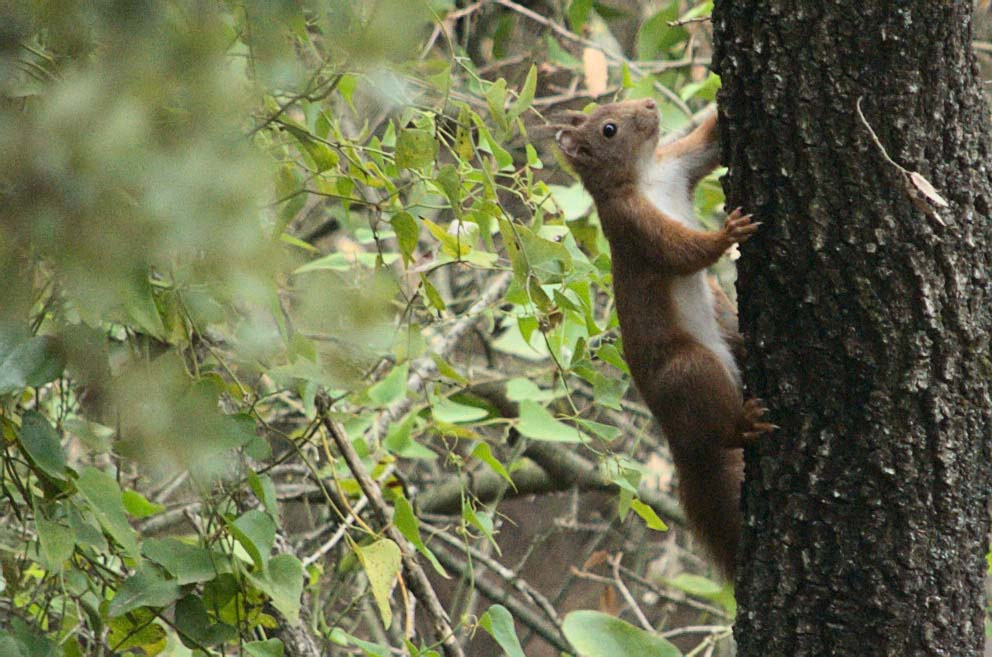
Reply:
x=677, y=333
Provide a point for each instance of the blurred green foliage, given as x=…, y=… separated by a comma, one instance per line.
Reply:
x=173, y=305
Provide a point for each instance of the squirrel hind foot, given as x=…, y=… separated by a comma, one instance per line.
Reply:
x=752, y=424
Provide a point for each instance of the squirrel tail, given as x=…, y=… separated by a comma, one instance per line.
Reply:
x=710, y=492
x=699, y=407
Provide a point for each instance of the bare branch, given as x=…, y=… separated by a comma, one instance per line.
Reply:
x=418, y=582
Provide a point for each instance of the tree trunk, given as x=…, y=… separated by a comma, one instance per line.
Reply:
x=866, y=515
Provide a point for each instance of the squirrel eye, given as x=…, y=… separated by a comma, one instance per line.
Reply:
x=609, y=130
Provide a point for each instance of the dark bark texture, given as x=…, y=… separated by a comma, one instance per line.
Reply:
x=866, y=515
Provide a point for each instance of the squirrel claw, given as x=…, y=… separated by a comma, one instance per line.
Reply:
x=752, y=425
x=739, y=227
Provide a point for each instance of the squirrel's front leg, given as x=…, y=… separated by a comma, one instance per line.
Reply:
x=682, y=250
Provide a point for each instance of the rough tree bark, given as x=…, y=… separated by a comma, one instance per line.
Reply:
x=867, y=514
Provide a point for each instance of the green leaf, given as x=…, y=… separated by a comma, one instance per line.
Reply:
x=481, y=520
x=12, y=334
x=450, y=182
x=609, y=390
x=283, y=583
x=496, y=99
x=9, y=647
x=268, y=648
x=138, y=505
x=407, y=233
x=705, y=89
x=256, y=531
x=187, y=563
x=137, y=629
x=341, y=637
x=42, y=445
x=606, y=432
x=656, y=37
x=609, y=353
x=537, y=423
x=392, y=387
x=340, y=261
x=433, y=296
x=298, y=243
x=533, y=160
x=526, y=96
x=197, y=628
x=696, y=585
x=574, y=201
x=444, y=368
x=546, y=256
x=445, y=410
x=578, y=12
x=409, y=526
x=34, y=362
x=450, y=243
x=519, y=389
x=415, y=148
x=499, y=623
x=139, y=303
x=702, y=587
x=595, y=634
x=464, y=146
x=265, y=491
x=399, y=442
x=381, y=561
x=503, y=158
x=145, y=588
x=702, y=9
x=58, y=542
x=106, y=502
x=649, y=516
x=484, y=453
x=323, y=157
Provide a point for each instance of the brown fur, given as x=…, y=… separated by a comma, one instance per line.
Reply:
x=689, y=390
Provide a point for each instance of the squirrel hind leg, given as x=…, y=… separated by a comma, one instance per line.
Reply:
x=696, y=400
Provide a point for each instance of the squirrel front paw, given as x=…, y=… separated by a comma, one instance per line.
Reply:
x=738, y=227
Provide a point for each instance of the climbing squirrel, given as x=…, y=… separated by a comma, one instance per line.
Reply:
x=676, y=328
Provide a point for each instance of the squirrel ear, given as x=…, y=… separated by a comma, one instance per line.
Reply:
x=568, y=142
x=573, y=117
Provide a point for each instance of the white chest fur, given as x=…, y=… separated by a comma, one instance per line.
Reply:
x=666, y=185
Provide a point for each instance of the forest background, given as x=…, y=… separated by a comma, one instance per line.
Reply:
x=308, y=344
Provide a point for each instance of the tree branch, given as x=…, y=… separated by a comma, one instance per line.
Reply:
x=497, y=594
x=425, y=368
x=417, y=580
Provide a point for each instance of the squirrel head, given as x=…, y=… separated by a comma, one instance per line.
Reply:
x=608, y=146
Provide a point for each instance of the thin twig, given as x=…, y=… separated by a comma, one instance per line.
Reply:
x=500, y=595
x=424, y=368
x=418, y=583
x=511, y=577
x=878, y=142
x=575, y=38
x=329, y=544
x=625, y=592
x=696, y=629
x=688, y=21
